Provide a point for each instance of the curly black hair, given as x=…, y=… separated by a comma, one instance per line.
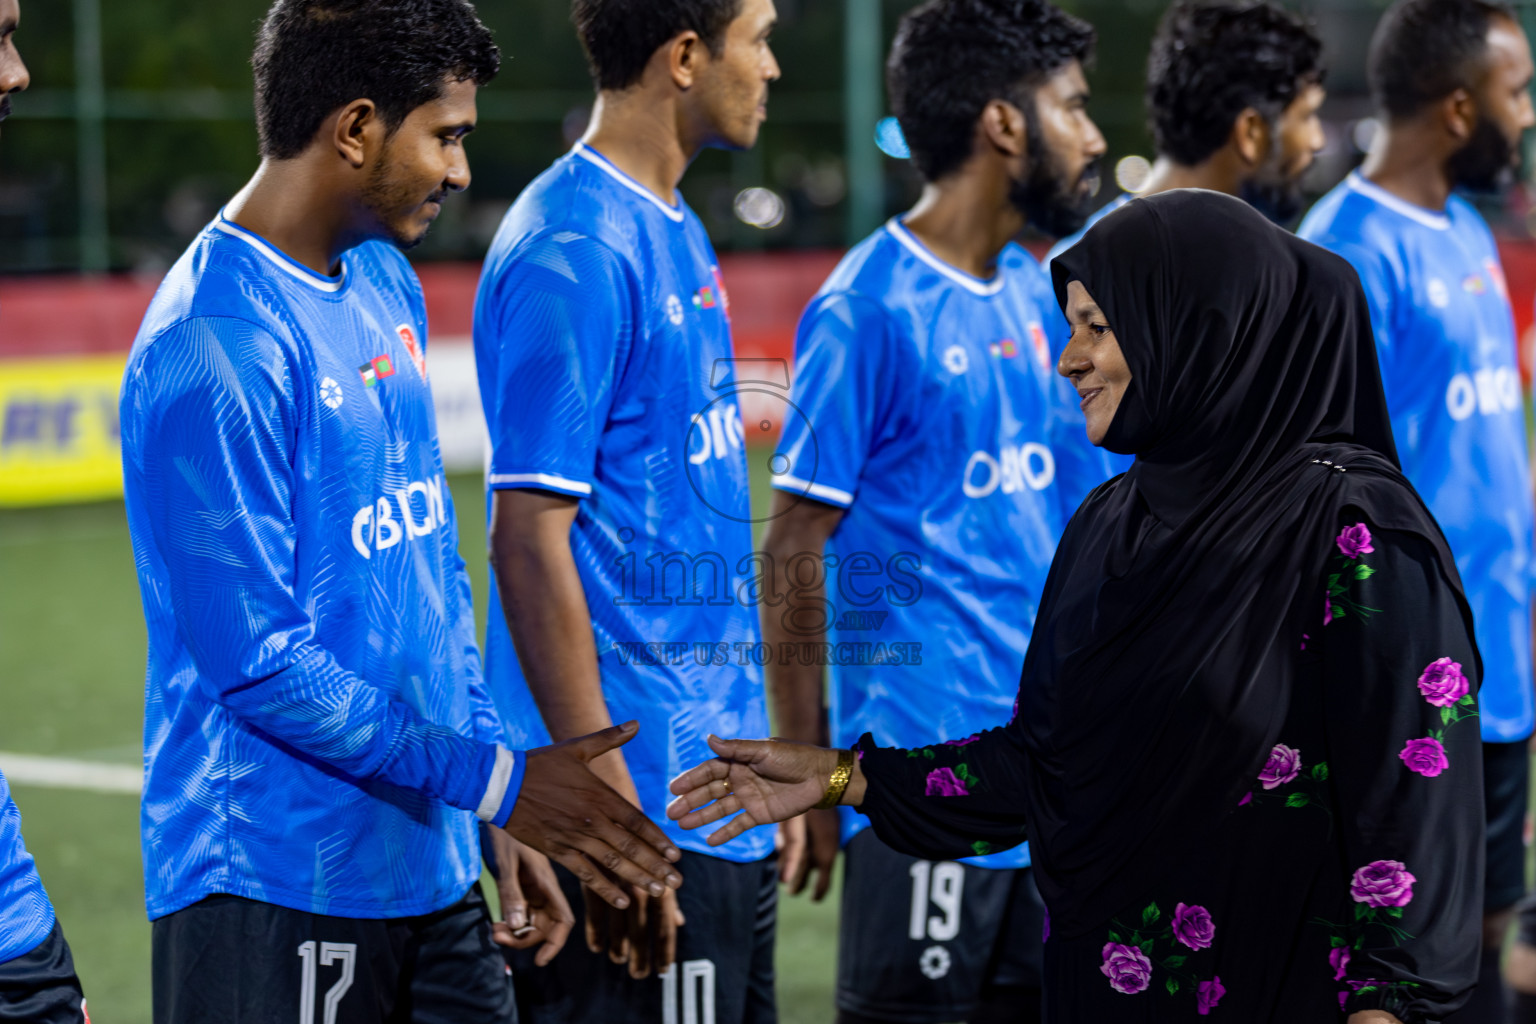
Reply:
x=953, y=57
x=620, y=36
x=1424, y=50
x=1212, y=61
x=314, y=56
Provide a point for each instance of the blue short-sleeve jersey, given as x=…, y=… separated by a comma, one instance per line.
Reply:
x=317, y=733
x=603, y=345
x=1445, y=336
x=26, y=915
x=926, y=402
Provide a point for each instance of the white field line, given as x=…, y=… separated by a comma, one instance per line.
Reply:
x=63, y=773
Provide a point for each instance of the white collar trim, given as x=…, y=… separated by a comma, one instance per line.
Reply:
x=282, y=262
x=596, y=159
x=974, y=285
x=1429, y=218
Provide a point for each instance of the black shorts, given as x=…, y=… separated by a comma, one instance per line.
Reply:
x=1506, y=791
x=724, y=968
x=228, y=960
x=40, y=987
x=921, y=941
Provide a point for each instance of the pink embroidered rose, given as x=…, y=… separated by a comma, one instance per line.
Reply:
x=1383, y=883
x=1442, y=682
x=1284, y=764
x=1355, y=541
x=1338, y=959
x=962, y=743
x=1425, y=756
x=1327, y=611
x=1208, y=994
x=1193, y=926
x=1127, y=968
x=944, y=782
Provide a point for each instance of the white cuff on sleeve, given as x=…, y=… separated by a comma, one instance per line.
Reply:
x=496, y=789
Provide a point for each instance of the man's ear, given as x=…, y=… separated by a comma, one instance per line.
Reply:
x=1458, y=113
x=1002, y=126
x=684, y=55
x=357, y=132
x=1251, y=136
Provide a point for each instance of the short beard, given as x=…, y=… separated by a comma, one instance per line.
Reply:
x=387, y=200
x=1486, y=163
x=1277, y=197
x=1047, y=200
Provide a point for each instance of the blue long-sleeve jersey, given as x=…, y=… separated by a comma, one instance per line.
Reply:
x=926, y=402
x=317, y=733
x=26, y=915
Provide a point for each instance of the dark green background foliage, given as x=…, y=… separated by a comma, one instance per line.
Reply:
x=179, y=136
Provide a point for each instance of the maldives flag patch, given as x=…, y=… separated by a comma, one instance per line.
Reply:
x=375, y=371
x=1005, y=349
x=704, y=298
x=408, y=339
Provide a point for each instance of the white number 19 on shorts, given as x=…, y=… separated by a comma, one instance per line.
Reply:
x=940, y=884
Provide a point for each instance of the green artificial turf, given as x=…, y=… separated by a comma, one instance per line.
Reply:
x=71, y=682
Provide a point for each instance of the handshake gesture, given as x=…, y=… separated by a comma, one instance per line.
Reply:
x=765, y=780
x=566, y=813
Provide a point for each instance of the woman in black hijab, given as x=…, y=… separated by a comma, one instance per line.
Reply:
x=1245, y=751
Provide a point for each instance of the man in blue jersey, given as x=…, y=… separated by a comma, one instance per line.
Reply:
x=934, y=449
x=318, y=739
x=37, y=970
x=618, y=493
x=1450, y=79
x=1233, y=93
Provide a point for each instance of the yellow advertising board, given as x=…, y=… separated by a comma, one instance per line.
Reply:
x=59, y=430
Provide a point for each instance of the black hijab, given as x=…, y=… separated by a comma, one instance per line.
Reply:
x=1160, y=669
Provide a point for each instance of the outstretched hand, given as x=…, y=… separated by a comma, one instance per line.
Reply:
x=766, y=780
x=575, y=818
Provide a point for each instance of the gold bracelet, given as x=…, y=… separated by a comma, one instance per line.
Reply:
x=840, y=778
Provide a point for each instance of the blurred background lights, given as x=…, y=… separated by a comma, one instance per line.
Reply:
x=890, y=140
x=760, y=207
x=1131, y=173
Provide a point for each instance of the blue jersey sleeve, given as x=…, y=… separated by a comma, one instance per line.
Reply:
x=848, y=376
x=1380, y=286
x=558, y=316
x=486, y=722
x=217, y=437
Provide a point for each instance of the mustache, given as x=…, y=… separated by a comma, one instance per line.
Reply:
x=436, y=197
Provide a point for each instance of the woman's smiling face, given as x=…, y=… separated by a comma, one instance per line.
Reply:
x=1093, y=361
